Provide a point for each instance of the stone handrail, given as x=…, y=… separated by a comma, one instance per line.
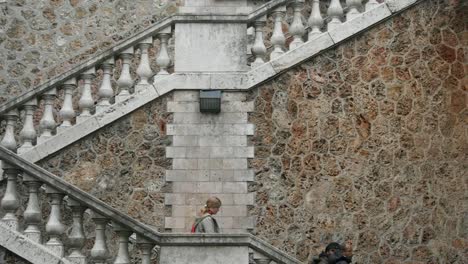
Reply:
x=78, y=200
x=130, y=42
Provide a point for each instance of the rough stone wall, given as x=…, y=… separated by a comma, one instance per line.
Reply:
x=367, y=142
x=41, y=39
x=123, y=164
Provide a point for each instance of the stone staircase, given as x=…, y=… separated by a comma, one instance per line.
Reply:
x=22, y=231
x=101, y=103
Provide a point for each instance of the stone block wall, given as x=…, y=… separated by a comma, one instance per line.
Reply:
x=367, y=142
x=209, y=158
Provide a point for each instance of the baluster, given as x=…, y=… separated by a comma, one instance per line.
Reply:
x=86, y=102
x=123, y=233
x=277, y=39
x=297, y=27
x=315, y=19
x=105, y=91
x=54, y=226
x=371, y=4
x=100, y=252
x=163, y=60
x=258, y=49
x=9, y=140
x=144, y=69
x=33, y=212
x=353, y=6
x=10, y=201
x=125, y=81
x=145, y=247
x=28, y=133
x=335, y=12
x=67, y=113
x=47, y=123
x=77, y=237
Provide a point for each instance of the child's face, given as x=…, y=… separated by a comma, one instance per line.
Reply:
x=214, y=210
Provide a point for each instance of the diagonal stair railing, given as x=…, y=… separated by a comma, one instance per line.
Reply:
x=78, y=201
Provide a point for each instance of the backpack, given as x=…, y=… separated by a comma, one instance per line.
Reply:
x=198, y=221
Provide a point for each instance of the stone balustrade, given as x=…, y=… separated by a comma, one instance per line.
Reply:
x=70, y=245
x=60, y=107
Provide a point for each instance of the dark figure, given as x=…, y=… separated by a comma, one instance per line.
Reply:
x=334, y=254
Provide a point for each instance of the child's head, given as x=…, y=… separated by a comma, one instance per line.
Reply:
x=212, y=205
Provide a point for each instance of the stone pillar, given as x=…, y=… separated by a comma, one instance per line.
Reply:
x=210, y=155
x=214, y=46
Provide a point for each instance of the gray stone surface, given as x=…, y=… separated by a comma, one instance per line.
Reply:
x=208, y=47
x=207, y=255
x=22, y=246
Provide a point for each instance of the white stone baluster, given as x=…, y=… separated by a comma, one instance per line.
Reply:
x=86, y=102
x=145, y=247
x=105, y=91
x=47, y=123
x=371, y=4
x=353, y=7
x=10, y=201
x=163, y=60
x=67, y=113
x=315, y=19
x=297, y=28
x=144, y=69
x=100, y=252
x=76, y=239
x=28, y=133
x=335, y=12
x=33, y=212
x=9, y=140
x=258, y=49
x=125, y=81
x=123, y=256
x=278, y=39
x=54, y=226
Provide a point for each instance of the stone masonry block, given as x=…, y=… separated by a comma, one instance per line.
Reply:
x=234, y=164
x=184, y=210
x=244, y=199
x=185, y=141
x=174, y=198
x=237, y=107
x=234, y=96
x=202, y=118
x=233, y=210
x=247, y=222
x=183, y=107
x=174, y=222
x=199, y=199
x=210, y=164
x=210, y=130
x=183, y=187
x=234, y=187
x=213, y=141
x=231, y=175
x=232, y=152
x=184, y=164
x=208, y=187
x=186, y=96
x=187, y=175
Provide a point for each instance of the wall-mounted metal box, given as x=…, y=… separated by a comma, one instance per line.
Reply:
x=210, y=101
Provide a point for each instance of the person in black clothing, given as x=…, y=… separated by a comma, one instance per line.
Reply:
x=334, y=254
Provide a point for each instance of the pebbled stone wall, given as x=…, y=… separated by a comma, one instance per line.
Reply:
x=123, y=164
x=41, y=39
x=367, y=142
